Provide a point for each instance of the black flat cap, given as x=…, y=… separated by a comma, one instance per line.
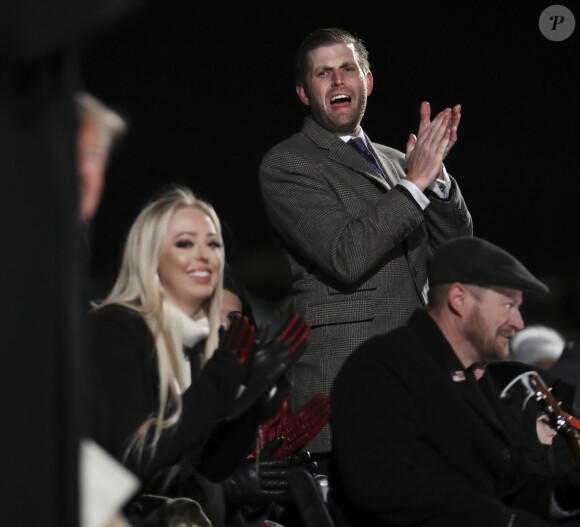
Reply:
x=472, y=260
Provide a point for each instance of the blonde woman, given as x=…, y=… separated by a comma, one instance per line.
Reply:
x=155, y=335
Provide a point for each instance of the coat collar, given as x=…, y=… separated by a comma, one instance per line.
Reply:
x=341, y=152
x=480, y=395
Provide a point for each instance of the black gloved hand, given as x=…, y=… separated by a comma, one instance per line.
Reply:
x=268, y=364
x=567, y=491
x=263, y=479
x=273, y=358
x=237, y=339
x=273, y=403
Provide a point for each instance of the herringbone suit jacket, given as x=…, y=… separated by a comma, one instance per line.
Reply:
x=358, y=246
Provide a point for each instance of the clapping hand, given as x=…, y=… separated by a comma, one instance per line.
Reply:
x=273, y=357
x=268, y=361
x=238, y=339
x=427, y=150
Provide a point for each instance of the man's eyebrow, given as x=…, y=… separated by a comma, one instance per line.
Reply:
x=515, y=300
x=350, y=62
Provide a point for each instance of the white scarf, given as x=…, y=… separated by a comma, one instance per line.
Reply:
x=189, y=330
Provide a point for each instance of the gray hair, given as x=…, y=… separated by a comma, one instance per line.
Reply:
x=111, y=125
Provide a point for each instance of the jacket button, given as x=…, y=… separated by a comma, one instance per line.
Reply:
x=506, y=454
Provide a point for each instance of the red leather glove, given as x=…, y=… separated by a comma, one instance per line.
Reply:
x=267, y=430
x=297, y=429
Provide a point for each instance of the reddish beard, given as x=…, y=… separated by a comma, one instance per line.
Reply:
x=485, y=339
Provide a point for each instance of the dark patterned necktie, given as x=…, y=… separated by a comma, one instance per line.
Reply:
x=361, y=147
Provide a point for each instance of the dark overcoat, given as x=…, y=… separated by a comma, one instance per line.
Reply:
x=418, y=441
x=204, y=446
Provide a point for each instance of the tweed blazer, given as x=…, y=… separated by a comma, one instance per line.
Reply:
x=418, y=441
x=357, y=244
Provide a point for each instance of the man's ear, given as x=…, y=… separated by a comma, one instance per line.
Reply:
x=370, y=83
x=458, y=299
x=302, y=94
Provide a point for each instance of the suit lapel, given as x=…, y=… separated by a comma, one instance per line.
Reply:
x=388, y=168
x=349, y=157
x=341, y=152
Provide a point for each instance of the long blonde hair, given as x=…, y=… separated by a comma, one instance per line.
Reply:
x=137, y=287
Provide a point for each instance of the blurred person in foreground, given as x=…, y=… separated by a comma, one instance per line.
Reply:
x=105, y=484
x=100, y=129
x=40, y=45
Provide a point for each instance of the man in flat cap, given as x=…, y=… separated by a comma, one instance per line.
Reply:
x=420, y=435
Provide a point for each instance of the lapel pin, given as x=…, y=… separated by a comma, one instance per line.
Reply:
x=458, y=376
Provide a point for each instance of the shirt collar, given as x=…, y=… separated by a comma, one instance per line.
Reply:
x=361, y=135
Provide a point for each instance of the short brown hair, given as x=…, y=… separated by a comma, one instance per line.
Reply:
x=328, y=37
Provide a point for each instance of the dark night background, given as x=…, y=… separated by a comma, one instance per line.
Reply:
x=208, y=88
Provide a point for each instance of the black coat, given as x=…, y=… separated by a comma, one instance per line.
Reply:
x=418, y=441
x=206, y=448
x=43, y=366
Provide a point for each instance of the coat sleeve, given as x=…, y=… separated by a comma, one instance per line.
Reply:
x=127, y=365
x=447, y=218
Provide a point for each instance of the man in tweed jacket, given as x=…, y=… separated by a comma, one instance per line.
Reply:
x=358, y=230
